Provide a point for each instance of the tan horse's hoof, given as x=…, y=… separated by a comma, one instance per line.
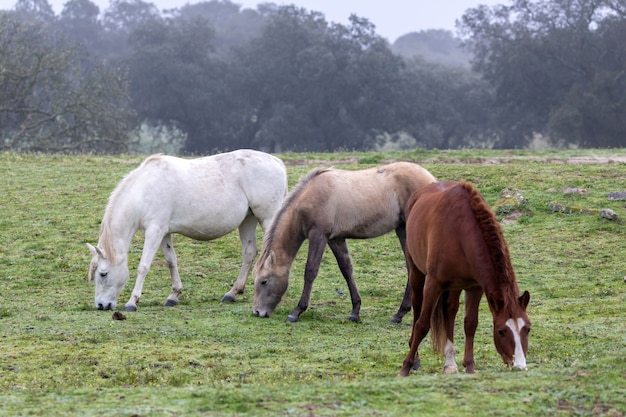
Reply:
x=227, y=298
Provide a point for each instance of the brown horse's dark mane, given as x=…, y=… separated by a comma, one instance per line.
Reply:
x=494, y=239
x=268, y=238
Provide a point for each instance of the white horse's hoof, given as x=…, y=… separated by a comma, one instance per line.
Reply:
x=170, y=303
x=130, y=307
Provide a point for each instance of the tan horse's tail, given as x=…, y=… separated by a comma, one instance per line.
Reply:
x=439, y=323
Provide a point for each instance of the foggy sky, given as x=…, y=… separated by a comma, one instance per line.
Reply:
x=392, y=18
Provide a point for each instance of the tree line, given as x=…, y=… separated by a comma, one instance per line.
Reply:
x=212, y=76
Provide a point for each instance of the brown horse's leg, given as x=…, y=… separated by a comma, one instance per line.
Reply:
x=405, y=306
x=417, y=280
x=472, y=302
x=340, y=250
x=449, y=366
x=317, y=242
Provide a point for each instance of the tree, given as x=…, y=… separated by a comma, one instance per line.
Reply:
x=48, y=102
x=434, y=45
x=233, y=26
x=79, y=21
x=444, y=107
x=37, y=9
x=121, y=19
x=175, y=80
x=311, y=86
x=556, y=68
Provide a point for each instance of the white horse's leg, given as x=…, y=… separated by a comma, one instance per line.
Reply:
x=167, y=247
x=247, y=236
x=152, y=241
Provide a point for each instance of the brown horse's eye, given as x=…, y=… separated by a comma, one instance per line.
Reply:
x=264, y=282
x=502, y=333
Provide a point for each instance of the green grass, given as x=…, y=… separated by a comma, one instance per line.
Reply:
x=59, y=356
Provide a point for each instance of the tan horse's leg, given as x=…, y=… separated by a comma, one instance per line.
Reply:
x=405, y=306
x=167, y=247
x=340, y=250
x=472, y=302
x=249, y=249
x=317, y=243
x=152, y=241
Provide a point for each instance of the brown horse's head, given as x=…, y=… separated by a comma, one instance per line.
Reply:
x=270, y=284
x=511, y=327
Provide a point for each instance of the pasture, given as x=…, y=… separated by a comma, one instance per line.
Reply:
x=60, y=356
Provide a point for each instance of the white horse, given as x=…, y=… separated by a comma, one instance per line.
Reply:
x=202, y=198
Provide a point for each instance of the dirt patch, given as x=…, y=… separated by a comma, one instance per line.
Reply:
x=613, y=159
x=593, y=160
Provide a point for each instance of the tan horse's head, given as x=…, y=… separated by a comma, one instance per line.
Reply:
x=109, y=277
x=270, y=284
x=511, y=327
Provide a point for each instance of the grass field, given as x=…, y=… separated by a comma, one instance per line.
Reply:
x=60, y=356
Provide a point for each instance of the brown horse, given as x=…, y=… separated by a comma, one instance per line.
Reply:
x=455, y=243
x=330, y=206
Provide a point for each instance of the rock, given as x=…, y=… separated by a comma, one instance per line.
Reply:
x=608, y=214
x=512, y=196
x=559, y=208
x=617, y=195
x=568, y=191
x=511, y=199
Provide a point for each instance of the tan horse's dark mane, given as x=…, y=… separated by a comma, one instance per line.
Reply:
x=494, y=239
x=268, y=238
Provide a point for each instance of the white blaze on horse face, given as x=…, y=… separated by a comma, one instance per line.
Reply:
x=516, y=327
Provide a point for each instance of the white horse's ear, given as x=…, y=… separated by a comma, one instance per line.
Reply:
x=96, y=251
x=271, y=260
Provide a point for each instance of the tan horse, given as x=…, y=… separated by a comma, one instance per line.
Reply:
x=330, y=206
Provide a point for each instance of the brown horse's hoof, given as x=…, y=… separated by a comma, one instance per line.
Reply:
x=354, y=319
x=449, y=370
x=291, y=319
x=416, y=365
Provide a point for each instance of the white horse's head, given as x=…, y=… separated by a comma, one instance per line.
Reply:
x=109, y=277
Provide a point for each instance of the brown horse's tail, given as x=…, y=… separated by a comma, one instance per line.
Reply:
x=439, y=323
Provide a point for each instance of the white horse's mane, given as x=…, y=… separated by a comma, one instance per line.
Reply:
x=105, y=241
